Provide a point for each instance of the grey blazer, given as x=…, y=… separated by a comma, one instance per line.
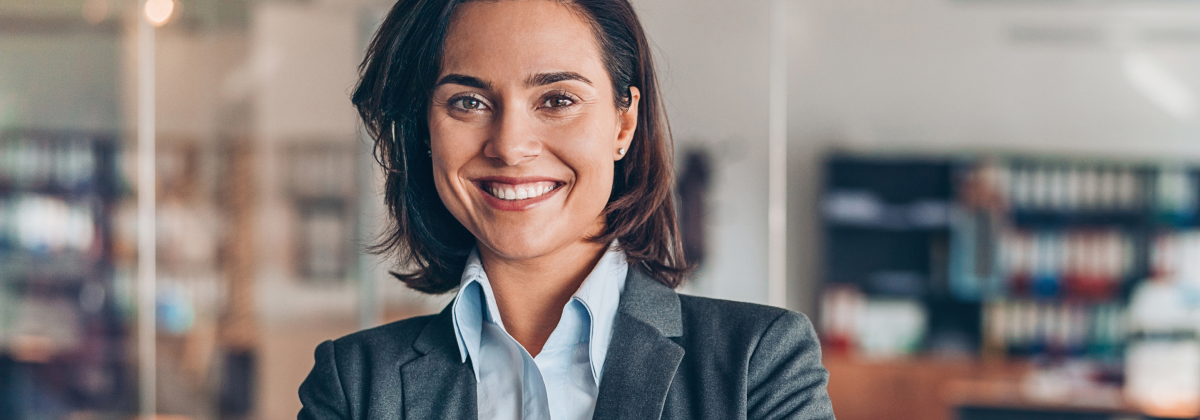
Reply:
x=672, y=357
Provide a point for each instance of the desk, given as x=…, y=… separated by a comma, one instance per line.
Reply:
x=926, y=388
x=919, y=388
x=989, y=412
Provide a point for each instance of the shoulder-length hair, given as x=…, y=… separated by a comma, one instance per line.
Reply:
x=392, y=97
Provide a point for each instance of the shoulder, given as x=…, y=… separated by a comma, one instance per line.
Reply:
x=741, y=327
x=776, y=350
x=727, y=314
x=389, y=341
x=403, y=330
x=345, y=369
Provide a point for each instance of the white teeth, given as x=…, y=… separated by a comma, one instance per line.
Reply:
x=520, y=192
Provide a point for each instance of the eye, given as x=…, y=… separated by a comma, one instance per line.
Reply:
x=468, y=103
x=558, y=102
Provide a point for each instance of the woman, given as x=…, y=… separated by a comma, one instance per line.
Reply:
x=528, y=166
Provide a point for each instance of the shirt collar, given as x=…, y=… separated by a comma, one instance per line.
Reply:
x=599, y=294
x=474, y=304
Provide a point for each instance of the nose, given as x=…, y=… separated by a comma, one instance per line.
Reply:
x=514, y=140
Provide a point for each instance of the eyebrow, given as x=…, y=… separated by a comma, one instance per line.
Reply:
x=462, y=79
x=542, y=79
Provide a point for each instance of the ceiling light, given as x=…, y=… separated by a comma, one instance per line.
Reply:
x=159, y=11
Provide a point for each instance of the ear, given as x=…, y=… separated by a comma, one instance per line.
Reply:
x=627, y=121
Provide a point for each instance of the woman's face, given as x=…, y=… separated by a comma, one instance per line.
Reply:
x=524, y=128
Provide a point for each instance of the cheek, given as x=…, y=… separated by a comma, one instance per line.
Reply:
x=452, y=147
x=600, y=184
x=592, y=138
x=586, y=150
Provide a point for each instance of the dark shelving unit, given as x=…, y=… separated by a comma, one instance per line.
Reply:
x=1062, y=241
x=44, y=175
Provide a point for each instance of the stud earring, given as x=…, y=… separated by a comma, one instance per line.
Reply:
x=621, y=151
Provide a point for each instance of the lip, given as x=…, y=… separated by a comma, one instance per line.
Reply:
x=515, y=205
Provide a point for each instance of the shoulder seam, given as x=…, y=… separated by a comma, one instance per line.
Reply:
x=337, y=373
x=758, y=340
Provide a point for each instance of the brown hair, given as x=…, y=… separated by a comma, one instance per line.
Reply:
x=392, y=97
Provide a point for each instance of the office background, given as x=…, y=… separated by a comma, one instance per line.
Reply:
x=987, y=206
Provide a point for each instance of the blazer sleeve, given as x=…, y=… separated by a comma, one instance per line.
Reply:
x=785, y=379
x=321, y=394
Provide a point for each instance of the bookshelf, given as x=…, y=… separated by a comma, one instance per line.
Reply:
x=63, y=332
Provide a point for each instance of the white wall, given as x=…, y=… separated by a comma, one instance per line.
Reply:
x=713, y=58
x=936, y=73
x=305, y=58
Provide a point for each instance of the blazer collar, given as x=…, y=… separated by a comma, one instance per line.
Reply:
x=638, y=371
x=438, y=333
x=438, y=384
x=652, y=303
x=642, y=358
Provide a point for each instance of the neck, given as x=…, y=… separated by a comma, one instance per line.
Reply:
x=531, y=293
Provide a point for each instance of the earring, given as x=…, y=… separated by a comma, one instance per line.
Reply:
x=621, y=151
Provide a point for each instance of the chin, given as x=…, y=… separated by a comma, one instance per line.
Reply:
x=518, y=241
x=520, y=247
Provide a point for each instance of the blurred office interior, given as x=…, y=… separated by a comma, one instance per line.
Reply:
x=989, y=208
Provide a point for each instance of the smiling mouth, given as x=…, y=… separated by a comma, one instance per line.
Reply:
x=517, y=192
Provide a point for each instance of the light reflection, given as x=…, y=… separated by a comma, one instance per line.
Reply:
x=1158, y=85
x=159, y=11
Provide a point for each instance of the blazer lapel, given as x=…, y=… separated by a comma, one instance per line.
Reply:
x=438, y=385
x=641, y=359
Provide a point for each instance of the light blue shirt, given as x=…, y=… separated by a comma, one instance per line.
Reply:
x=562, y=382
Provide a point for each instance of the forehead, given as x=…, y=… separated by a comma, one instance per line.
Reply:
x=516, y=38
